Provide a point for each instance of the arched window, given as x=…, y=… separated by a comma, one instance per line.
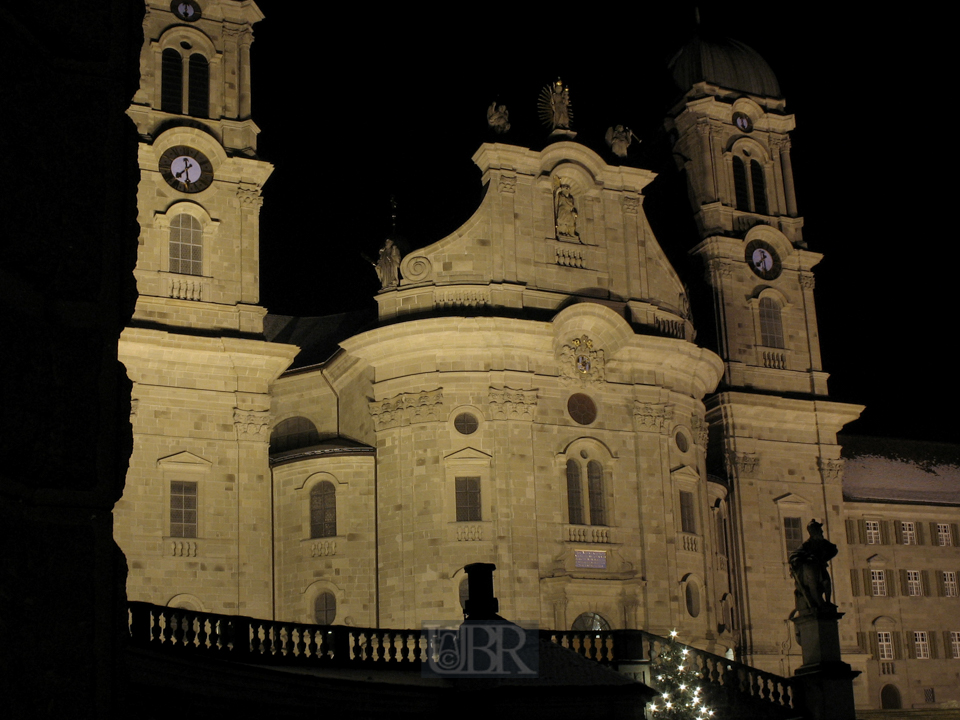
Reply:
x=890, y=698
x=323, y=510
x=590, y=621
x=586, y=490
x=598, y=515
x=186, y=245
x=749, y=185
x=171, y=81
x=691, y=594
x=198, y=98
x=325, y=609
x=574, y=493
x=172, y=75
x=771, y=324
x=292, y=434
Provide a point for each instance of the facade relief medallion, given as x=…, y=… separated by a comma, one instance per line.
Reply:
x=581, y=362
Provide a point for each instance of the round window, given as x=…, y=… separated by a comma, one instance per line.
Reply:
x=582, y=408
x=682, y=444
x=465, y=423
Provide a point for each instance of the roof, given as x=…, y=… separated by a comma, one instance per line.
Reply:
x=901, y=471
x=724, y=62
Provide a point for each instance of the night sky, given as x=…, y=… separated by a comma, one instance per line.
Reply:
x=394, y=104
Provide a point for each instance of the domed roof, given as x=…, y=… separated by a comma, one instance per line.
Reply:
x=724, y=62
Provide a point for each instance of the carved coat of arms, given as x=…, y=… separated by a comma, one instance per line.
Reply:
x=581, y=362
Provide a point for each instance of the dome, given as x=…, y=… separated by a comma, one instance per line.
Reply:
x=724, y=62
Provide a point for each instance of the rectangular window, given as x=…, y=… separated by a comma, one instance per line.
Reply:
x=183, y=509
x=944, y=539
x=950, y=583
x=878, y=582
x=885, y=645
x=688, y=521
x=914, y=584
x=955, y=645
x=792, y=533
x=468, y=499
x=921, y=645
x=873, y=532
x=908, y=532
x=929, y=696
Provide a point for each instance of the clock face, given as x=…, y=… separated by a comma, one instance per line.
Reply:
x=743, y=121
x=186, y=169
x=185, y=10
x=763, y=260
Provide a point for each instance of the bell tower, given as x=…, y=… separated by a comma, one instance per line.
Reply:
x=199, y=194
x=772, y=431
x=195, y=518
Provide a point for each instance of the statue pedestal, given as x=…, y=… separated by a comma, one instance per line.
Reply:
x=827, y=680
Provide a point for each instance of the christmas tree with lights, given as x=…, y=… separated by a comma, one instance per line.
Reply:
x=679, y=684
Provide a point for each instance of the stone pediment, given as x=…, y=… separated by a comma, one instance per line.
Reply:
x=184, y=461
x=878, y=559
x=685, y=472
x=469, y=453
x=791, y=499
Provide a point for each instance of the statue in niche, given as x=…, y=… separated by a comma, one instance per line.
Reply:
x=808, y=566
x=555, y=110
x=498, y=118
x=619, y=138
x=388, y=265
x=565, y=210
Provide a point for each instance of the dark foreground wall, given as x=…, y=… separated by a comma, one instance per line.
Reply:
x=68, y=234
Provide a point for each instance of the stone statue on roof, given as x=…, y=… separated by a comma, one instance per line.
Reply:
x=555, y=110
x=498, y=118
x=618, y=139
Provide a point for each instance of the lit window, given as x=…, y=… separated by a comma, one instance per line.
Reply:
x=771, y=324
x=183, y=509
x=950, y=583
x=878, y=583
x=955, y=645
x=885, y=645
x=468, y=499
x=590, y=621
x=908, y=531
x=792, y=533
x=688, y=522
x=323, y=510
x=325, y=609
x=921, y=645
x=914, y=584
x=944, y=538
x=873, y=532
x=186, y=245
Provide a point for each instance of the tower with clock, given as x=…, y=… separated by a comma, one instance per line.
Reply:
x=773, y=430
x=194, y=349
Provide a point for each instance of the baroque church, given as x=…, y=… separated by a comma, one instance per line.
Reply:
x=533, y=394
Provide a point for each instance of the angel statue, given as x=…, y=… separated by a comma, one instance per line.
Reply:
x=555, y=110
x=498, y=118
x=619, y=138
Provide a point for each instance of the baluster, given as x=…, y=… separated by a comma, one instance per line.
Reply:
x=189, y=631
x=775, y=694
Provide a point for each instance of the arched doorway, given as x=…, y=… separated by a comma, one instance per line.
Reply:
x=890, y=698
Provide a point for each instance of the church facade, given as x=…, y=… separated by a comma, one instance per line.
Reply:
x=533, y=396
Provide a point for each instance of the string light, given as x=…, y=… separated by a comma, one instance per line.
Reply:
x=678, y=680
